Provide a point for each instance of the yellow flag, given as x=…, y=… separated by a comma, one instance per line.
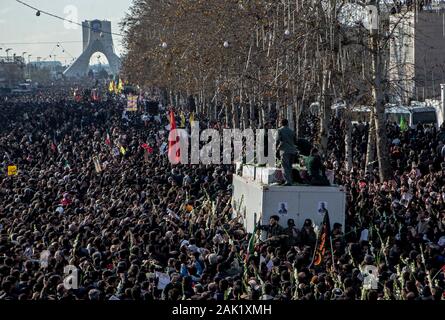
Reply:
x=182, y=120
x=111, y=86
x=12, y=170
x=120, y=86
x=123, y=151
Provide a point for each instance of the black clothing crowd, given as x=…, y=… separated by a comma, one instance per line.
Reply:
x=89, y=195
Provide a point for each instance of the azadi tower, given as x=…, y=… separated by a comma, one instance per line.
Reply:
x=97, y=37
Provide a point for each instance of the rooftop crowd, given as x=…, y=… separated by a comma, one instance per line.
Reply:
x=138, y=228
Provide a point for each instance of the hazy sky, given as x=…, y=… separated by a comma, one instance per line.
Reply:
x=19, y=25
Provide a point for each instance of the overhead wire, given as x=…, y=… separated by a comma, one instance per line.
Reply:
x=63, y=19
x=58, y=44
x=39, y=43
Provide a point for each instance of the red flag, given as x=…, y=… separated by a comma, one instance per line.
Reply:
x=108, y=140
x=77, y=96
x=95, y=95
x=147, y=148
x=53, y=145
x=172, y=143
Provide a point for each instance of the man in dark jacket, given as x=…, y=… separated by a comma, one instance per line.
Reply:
x=315, y=169
x=274, y=231
x=287, y=149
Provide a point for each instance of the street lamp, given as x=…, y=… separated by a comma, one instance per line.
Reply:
x=29, y=65
x=164, y=45
x=7, y=53
x=226, y=44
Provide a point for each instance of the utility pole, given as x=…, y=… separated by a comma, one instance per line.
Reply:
x=7, y=53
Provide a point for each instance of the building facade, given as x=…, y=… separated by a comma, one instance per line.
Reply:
x=417, y=54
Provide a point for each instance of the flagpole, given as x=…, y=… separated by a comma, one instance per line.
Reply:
x=332, y=252
x=441, y=269
x=315, y=250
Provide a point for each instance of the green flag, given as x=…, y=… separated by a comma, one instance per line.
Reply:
x=403, y=125
x=252, y=241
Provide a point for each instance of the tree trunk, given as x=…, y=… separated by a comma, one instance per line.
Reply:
x=290, y=115
x=385, y=170
x=370, y=150
x=325, y=113
x=348, y=141
x=252, y=112
x=279, y=110
x=261, y=120
x=164, y=97
x=170, y=98
x=235, y=116
x=177, y=99
x=245, y=116
x=226, y=108
x=298, y=109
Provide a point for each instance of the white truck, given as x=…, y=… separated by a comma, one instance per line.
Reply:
x=254, y=200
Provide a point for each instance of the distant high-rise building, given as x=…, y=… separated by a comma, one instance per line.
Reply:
x=12, y=71
x=417, y=53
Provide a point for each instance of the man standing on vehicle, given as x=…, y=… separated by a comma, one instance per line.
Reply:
x=287, y=150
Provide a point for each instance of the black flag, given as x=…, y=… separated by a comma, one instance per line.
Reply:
x=324, y=241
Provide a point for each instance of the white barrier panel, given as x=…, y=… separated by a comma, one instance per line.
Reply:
x=288, y=202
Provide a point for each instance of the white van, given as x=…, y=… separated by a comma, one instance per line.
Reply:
x=358, y=114
x=412, y=115
x=394, y=113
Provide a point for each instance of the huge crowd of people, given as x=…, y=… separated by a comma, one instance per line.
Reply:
x=95, y=190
